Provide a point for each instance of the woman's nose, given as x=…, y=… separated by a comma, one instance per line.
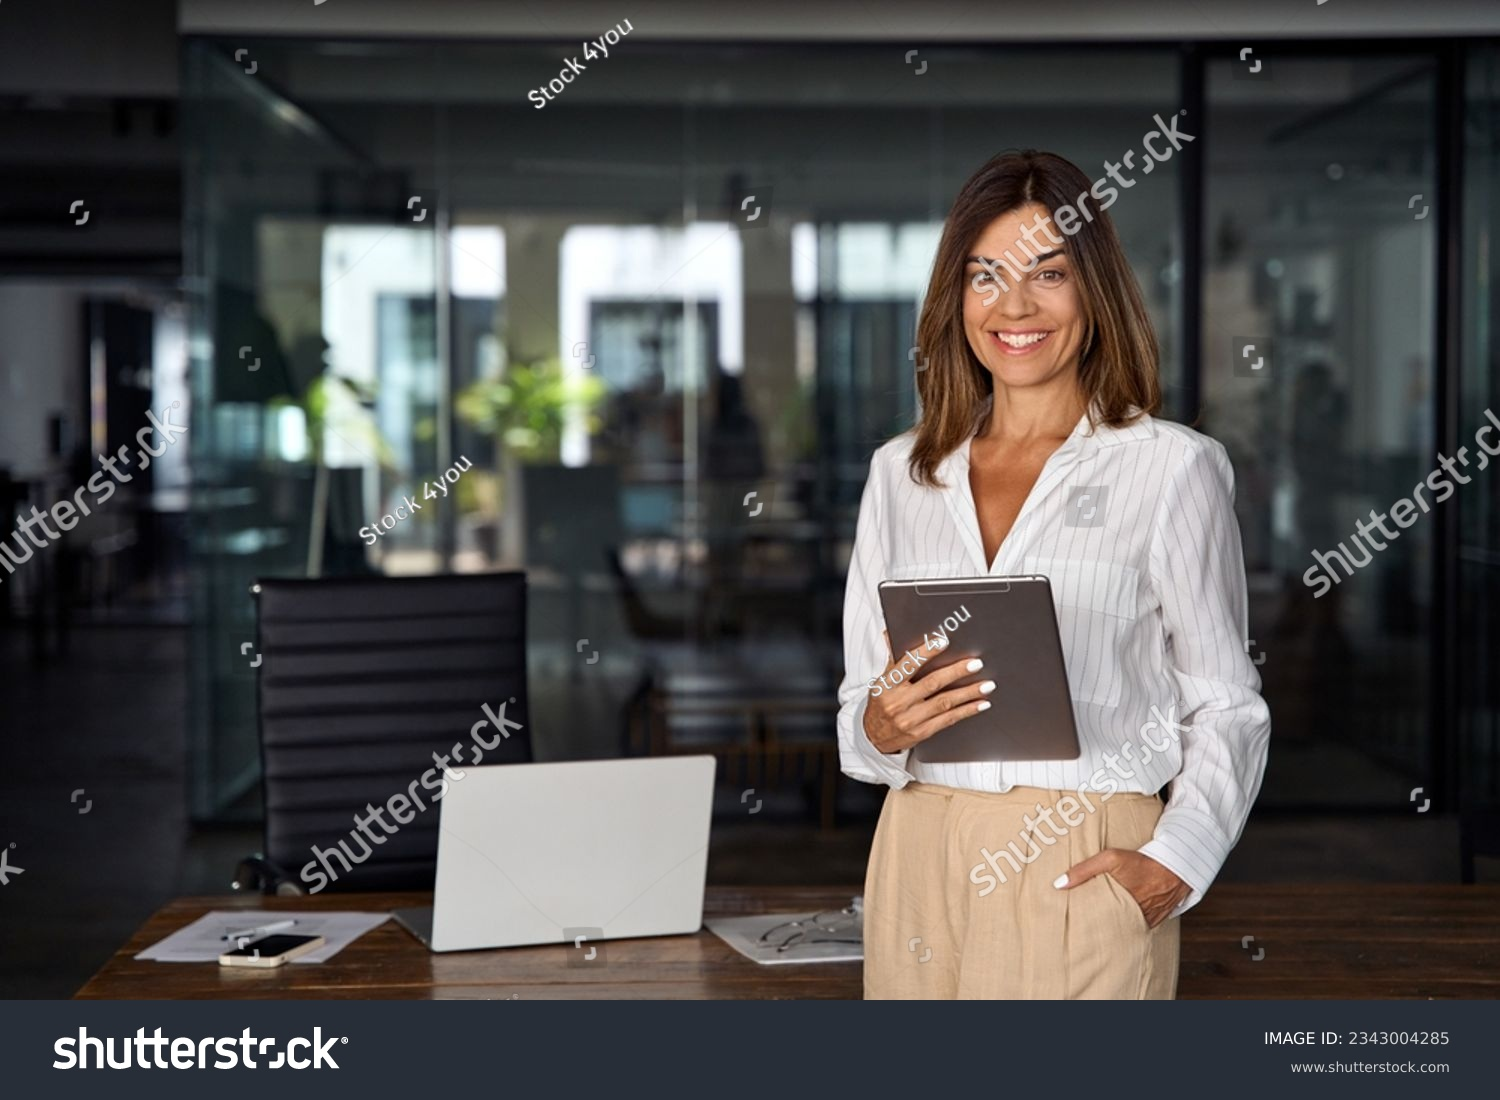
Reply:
x=1015, y=302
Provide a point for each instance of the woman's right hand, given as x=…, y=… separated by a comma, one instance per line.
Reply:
x=911, y=711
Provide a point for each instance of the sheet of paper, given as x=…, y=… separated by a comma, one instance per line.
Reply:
x=759, y=937
x=202, y=941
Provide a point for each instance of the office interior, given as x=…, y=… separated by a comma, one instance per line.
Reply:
x=658, y=326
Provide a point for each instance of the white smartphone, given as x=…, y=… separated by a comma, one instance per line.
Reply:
x=271, y=951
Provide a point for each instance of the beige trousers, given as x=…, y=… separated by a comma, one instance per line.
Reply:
x=948, y=916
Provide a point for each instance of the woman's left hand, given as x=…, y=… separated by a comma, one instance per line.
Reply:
x=1155, y=889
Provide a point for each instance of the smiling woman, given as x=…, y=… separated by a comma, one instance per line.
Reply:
x=1036, y=452
x=1087, y=306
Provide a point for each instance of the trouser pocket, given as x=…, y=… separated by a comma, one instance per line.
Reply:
x=1128, y=825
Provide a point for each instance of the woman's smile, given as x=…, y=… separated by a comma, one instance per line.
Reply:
x=1019, y=341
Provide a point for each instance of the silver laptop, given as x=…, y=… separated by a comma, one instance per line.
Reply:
x=573, y=852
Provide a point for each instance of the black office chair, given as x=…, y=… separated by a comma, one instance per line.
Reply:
x=362, y=680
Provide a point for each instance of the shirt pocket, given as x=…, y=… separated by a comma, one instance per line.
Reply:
x=1097, y=605
x=928, y=570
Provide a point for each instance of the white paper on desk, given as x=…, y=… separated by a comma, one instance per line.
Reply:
x=202, y=940
x=744, y=935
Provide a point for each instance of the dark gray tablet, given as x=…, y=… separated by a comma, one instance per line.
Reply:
x=1011, y=624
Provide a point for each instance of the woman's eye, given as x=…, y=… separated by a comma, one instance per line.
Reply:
x=981, y=277
x=1051, y=275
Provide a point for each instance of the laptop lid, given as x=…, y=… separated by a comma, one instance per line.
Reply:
x=549, y=853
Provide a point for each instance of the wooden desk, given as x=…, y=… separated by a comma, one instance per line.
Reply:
x=1357, y=941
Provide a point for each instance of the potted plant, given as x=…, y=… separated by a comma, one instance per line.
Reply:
x=525, y=410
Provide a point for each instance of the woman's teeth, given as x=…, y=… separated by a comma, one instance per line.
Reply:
x=1021, y=340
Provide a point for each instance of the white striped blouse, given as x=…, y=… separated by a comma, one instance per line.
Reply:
x=1135, y=528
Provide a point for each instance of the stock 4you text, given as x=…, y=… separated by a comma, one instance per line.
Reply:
x=592, y=51
x=409, y=507
x=910, y=661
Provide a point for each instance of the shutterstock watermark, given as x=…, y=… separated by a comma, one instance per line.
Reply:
x=1072, y=806
x=140, y=1051
x=1404, y=512
x=399, y=805
x=65, y=513
x=1070, y=217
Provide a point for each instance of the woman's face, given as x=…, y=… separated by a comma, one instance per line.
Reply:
x=1027, y=326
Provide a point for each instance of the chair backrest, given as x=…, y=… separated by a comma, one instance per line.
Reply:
x=362, y=681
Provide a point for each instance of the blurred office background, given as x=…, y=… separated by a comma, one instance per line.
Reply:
x=665, y=320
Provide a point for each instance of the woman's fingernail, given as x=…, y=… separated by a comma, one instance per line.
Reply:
x=984, y=705
x=1059, y=882
x=975, y=665
x=986, y=687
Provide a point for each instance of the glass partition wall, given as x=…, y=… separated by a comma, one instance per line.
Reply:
x=1476, y=403
x=664, y=320
x=660, y=324
x=314, y=367
x=1319, y=328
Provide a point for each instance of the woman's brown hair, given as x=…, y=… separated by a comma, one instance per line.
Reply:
x=1118, y=364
